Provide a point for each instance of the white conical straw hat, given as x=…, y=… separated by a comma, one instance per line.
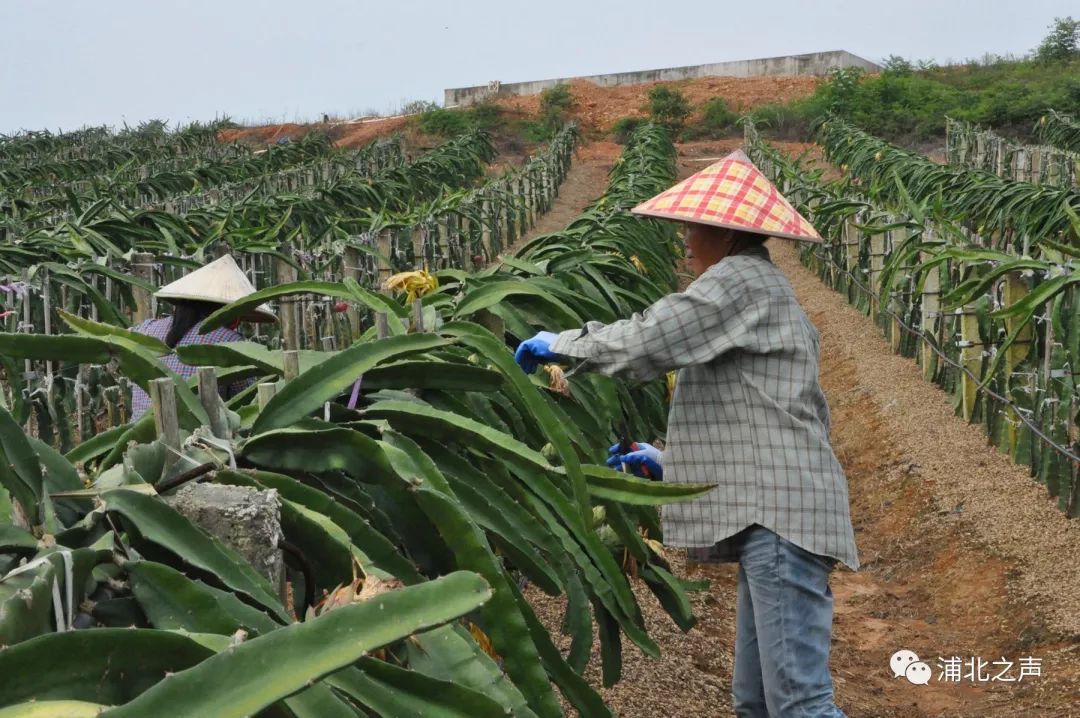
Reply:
x=220, y=281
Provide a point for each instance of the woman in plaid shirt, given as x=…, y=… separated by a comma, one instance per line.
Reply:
x=194, y=297
x=749, y=415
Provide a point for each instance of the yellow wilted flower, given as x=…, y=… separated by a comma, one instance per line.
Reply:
x=670, y=385
x=482, y=640
x=557, y=379
x=415, y=284
x=638, y=264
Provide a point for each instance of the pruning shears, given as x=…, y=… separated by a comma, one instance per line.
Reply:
x=626, y=445
x=574, y=370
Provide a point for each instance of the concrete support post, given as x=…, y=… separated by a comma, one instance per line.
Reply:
x=244, y=518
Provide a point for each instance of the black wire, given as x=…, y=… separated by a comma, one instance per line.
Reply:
x=978, y=381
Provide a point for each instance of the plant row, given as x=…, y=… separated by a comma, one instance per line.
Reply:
x=422, y=479
x=148, y=141
x=997, y=330
x=972, y=148
x=144, y=186
x=1060, y=130
x=1012, y=215
x=461, y=228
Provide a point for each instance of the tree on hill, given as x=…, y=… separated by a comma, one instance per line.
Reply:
x=1062, y=43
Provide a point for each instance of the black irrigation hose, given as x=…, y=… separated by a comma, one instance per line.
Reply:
x=190, y=475
x=990, y=392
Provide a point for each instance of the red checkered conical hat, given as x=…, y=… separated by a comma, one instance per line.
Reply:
x=731, y=193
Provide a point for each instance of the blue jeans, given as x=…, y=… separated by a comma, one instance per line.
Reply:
x=784, y=626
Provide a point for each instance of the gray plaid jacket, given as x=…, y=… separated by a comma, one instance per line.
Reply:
x=748, y=413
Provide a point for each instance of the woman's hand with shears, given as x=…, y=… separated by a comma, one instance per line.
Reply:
x=641, y=459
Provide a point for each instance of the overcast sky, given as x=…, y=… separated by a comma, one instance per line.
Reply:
x=68, y=63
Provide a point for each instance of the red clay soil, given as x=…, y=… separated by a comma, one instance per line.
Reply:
x=352, y=135
x=597, y=108
x=586, y=181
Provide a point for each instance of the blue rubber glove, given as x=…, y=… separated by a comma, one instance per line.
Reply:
x=531, y=352
x=643, y=460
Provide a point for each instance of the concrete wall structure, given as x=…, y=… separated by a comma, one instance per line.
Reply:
x=815, y=63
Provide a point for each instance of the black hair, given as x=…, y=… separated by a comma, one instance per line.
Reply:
x=745, y=238
x=186, y=314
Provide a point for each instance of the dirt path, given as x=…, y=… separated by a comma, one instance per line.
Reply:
x=963, y=555
x=962, y=552
x=585, y=182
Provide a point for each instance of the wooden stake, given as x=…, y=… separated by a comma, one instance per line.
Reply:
x=444, y=244
x=28, y=327
x=112, y=398
x=46, y=300
x=382, y=326
x=265, y=393
x=142, y=267
x=486, y=222
x=210, y=399
x=287, y=309
x=931, y=303
x=166, y=420
x=384, y=261
x=418, y=315
x=877, y=263
x=352, y=271
x=291, y=362
x=80, y=402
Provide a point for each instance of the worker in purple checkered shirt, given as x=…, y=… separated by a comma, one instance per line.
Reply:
x=194, y=297
x=748, y=414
